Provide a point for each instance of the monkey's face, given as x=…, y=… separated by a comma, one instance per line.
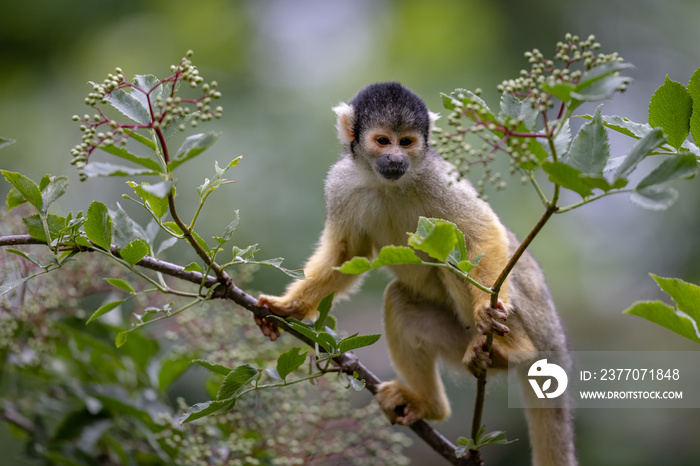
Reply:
x=390, y=152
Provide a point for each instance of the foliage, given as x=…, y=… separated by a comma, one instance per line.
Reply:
x=149, y=111
x=73, y=398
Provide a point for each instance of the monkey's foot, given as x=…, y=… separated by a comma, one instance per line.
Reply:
x=492, y=319
x=403, y=407
x=477, y=359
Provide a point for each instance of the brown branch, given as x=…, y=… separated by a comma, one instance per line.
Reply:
x=348, y=362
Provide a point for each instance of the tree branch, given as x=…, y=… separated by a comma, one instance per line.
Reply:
x=348, y=362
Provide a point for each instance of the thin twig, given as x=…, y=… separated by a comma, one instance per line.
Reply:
x=348, y=362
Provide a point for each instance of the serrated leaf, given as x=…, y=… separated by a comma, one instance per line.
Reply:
x=567, y=177
x=673, y=167
x=231, y=228
x=357, y=341
x=600, y=90
x=670, y=108
x=694, y=90
x=355, y=266
x=35, y=227
x=129, y=105
x=154, y=195
x=149, y=89
x=290, y=361
x=27, y=188
x=94, y=169
x=14, y=199
x=98, y=226
x=193, y=267
x=684, y=319
x=135, y=251
x=512, y=107
x=655, y=197
x=435, y=237
x=639, y=151
x=123, y=153
x=590, y=150
x=119, y=283
x=104, y=310
x=324, y=307
x=126, y=229
x=217, y=368
x=55, y=188
x=395, y=255
x=236, y=381
x=200, y=410
x=141, y=139
x=562, y=141
x=192, y=147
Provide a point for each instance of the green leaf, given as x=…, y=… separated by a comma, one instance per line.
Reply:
x=290, y=361
x=512, y=107
x=684, y=319
x=14, y=199
x=355, y=266
x=670, y=109
x=123, y=153
x=126, y=229
x=639, y=151
x=35, y=226
x=590, y=150
x=130, y=105
x=324, y=307
x=94, y=169
x=56, y=187
x=655, y=197
x=171, y=370
x=10, y=285
x=119, y=283
x=435, y=237
x=98, y=226
x=155, y=196
x=683, y=165
x=561, y=91
x=217, y=368
x=4, y=142
x=236, y=381
x=30, y=257
x=395, y=255
x=104, y=310
x=357, y=341
x=27, y=188
x=135, y=251
x=694, y=89
x=140, y=138
x=497, y=437
x=562, y=142
x=600, y=90
x=567, y=177
x=193, y=267
x=203, y=409
x=192, y=147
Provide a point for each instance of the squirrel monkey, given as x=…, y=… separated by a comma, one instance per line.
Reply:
x=386, y=178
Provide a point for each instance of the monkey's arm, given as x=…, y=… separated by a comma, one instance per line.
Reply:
x=302, y=297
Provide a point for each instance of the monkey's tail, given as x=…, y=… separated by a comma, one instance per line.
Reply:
x=551, y=429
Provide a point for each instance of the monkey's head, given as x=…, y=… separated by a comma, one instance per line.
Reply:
x=386, y=127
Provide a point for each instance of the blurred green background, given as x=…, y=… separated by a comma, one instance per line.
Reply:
x=282, y=65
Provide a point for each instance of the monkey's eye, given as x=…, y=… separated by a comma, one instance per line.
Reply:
x=381, y=140
x=406, y=141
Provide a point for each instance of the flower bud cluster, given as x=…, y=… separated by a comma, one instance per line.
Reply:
x=164, y=107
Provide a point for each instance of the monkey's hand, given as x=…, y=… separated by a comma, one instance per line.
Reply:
x=281, y=308
x=491, y=319
x=404, y=407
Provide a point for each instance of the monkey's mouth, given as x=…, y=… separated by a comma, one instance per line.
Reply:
x=392, y=172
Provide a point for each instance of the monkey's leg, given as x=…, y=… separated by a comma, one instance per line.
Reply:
x=416, y=332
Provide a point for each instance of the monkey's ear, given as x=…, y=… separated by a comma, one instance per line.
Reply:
x=345, y=123
x=433, y=118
